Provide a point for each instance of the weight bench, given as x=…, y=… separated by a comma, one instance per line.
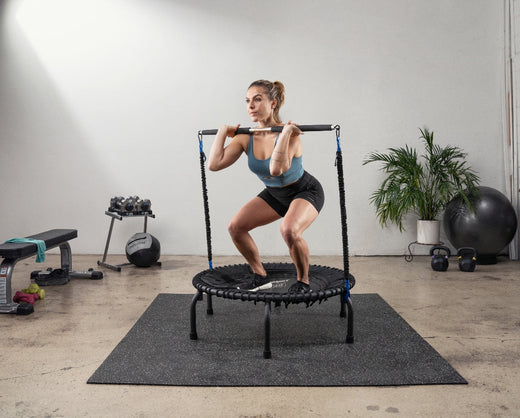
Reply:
x=14, y=252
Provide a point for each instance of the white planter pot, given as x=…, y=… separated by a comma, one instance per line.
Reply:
x=428, y=232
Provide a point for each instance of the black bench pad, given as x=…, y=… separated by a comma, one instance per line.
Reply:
x=52, y=238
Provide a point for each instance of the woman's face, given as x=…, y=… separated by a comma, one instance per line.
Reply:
x=259, y=107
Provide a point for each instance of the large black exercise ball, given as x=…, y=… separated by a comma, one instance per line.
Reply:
x=488, y=229
x=143, y=249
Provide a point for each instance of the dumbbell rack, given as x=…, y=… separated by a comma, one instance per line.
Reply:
x=120, y=217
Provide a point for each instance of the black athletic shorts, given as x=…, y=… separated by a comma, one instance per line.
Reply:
x=307, y=187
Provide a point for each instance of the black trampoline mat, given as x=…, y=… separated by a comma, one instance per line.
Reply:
x=227, y=282
x=307, y=344
x=281, y=275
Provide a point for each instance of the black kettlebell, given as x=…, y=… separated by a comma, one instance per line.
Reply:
x=440, y=259
x=467, y=258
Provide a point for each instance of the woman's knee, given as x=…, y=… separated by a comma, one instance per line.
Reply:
x=290, y=232
x=234, y=227
x=237, y=227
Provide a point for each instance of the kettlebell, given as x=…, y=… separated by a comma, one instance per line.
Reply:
x=440, y=259
x=467, y=258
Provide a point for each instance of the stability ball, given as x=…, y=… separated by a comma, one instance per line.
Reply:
x=488, y=229
x=143, y=249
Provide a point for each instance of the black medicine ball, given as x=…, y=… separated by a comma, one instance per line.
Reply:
x=143, y=249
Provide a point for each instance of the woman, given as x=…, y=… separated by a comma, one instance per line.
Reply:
x=290, y=192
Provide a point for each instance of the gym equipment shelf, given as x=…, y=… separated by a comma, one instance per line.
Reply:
x=120, y=217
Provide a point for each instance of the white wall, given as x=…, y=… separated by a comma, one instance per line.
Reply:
x=104, y=98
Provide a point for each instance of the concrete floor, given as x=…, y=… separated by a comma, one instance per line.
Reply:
x=471, y=319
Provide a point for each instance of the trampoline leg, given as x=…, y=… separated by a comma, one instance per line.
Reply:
x=350, y=325
x=342, y=312
x=209, y=309
x=267, y=327
x=193, y=315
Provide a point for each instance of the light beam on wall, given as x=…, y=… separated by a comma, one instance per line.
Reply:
x=67, y=33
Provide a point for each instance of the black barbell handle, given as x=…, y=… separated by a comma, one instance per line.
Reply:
x=303, y=128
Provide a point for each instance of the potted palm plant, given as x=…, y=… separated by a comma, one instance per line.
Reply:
x=422, y=184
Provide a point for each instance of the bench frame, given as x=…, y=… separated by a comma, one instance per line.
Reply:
x=6, y=271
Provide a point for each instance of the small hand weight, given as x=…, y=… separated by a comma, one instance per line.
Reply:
x=440, y=255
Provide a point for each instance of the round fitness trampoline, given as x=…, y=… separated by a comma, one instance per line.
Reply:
x=226, y=281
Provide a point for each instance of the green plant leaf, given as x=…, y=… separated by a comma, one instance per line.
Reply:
x=422, y=184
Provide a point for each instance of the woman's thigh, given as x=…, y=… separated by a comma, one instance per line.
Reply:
x=253, y=214
x=300, y=216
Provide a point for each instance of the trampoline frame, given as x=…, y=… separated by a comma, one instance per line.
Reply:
x=268, y=298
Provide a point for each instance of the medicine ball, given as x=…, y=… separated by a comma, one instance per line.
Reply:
x=143, y=249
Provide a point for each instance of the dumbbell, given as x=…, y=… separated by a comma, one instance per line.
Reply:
x=467, y=258
x=129, y=204
x=144, y=205
x=115, y=203
x=440, y=255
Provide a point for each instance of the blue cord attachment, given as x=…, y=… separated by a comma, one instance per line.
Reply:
x=338, y=138
x=338, y=145
x=347, y=287
x=201, y=147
